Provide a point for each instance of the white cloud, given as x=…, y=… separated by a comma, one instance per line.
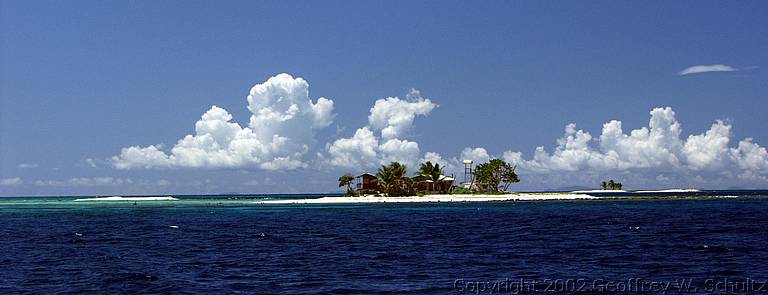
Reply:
x=752, y=176
x=138, y=157
x=11, y=181
x=90, y=162
x=360, y=150
x=448, y=165
x=708, y=150
x=656, y=153
x=706, y=68
x=86, y=182
x=750, y=156
x=658, y=147
x=27, y=166
x=284, y=120
x=476, y=154
x=392, y=118
x=403, y=151
x=280, y=131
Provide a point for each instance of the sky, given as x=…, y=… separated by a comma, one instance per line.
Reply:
x=202, y=97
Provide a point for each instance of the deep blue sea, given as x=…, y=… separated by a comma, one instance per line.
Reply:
x=488, y=248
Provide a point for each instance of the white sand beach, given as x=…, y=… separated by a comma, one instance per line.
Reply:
x=599, y=191
x=432, y=199
x=674, y=190
x=119, y=198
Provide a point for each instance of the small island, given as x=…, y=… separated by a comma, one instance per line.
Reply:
x=488, y=182
x=492, y=177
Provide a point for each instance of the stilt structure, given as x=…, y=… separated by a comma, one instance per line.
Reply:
x=469, y=175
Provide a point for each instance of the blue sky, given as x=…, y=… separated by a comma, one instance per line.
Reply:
x=80, y=81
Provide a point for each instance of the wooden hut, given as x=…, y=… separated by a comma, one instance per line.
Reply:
x=425, y=185
x=422, y=184
x=367, y=183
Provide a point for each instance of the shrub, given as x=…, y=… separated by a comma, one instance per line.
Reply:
x=461, y=191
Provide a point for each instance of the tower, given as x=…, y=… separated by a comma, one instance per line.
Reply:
x=469, y=175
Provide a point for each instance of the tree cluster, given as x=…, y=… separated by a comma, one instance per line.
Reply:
x=611, y=185
x=393, y=180
x=495, y=176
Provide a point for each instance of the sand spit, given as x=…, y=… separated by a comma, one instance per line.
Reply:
x=674, y=190
x=432, y=199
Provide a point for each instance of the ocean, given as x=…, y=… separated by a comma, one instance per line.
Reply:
x=217, y=244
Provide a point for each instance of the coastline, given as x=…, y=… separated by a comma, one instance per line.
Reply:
x=434, y=199
x=331, y=199
x=118, y=198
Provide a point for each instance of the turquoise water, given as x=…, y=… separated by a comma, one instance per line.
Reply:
x=182, y=200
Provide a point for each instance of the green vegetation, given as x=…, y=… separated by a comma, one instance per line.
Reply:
x=461, y=191
x=611, y=185
x=346, y=180
x=431, y=172
x=393, y=180
x=495, y=176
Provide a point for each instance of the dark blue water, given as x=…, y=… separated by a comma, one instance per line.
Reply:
x=386, y=248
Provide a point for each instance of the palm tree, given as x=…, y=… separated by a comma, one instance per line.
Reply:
x=431, y=172
x=393, y=180
x=347, y=179
x=604, y=185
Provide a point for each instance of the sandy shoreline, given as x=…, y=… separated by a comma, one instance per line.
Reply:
x=118, y=198
x=432, y=199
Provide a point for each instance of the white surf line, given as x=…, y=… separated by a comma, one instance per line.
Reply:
x=119, y=198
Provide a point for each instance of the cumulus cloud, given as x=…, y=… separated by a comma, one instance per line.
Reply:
x=397, y=150
x=281, y=129
x=392, y=118
x=283, y=122
x=706, y=68
x=86, y=182
x=708, y=150
x=658, y=146
x=650, y=155
x=11, y=181
x=447, y=164
x=476, y=154
x=750, y=156
x=360, y=150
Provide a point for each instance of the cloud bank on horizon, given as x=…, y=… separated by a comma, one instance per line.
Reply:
x=284, y=121
x=658, y=146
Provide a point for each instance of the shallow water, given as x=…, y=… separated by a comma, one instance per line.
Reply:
x=379, y=248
